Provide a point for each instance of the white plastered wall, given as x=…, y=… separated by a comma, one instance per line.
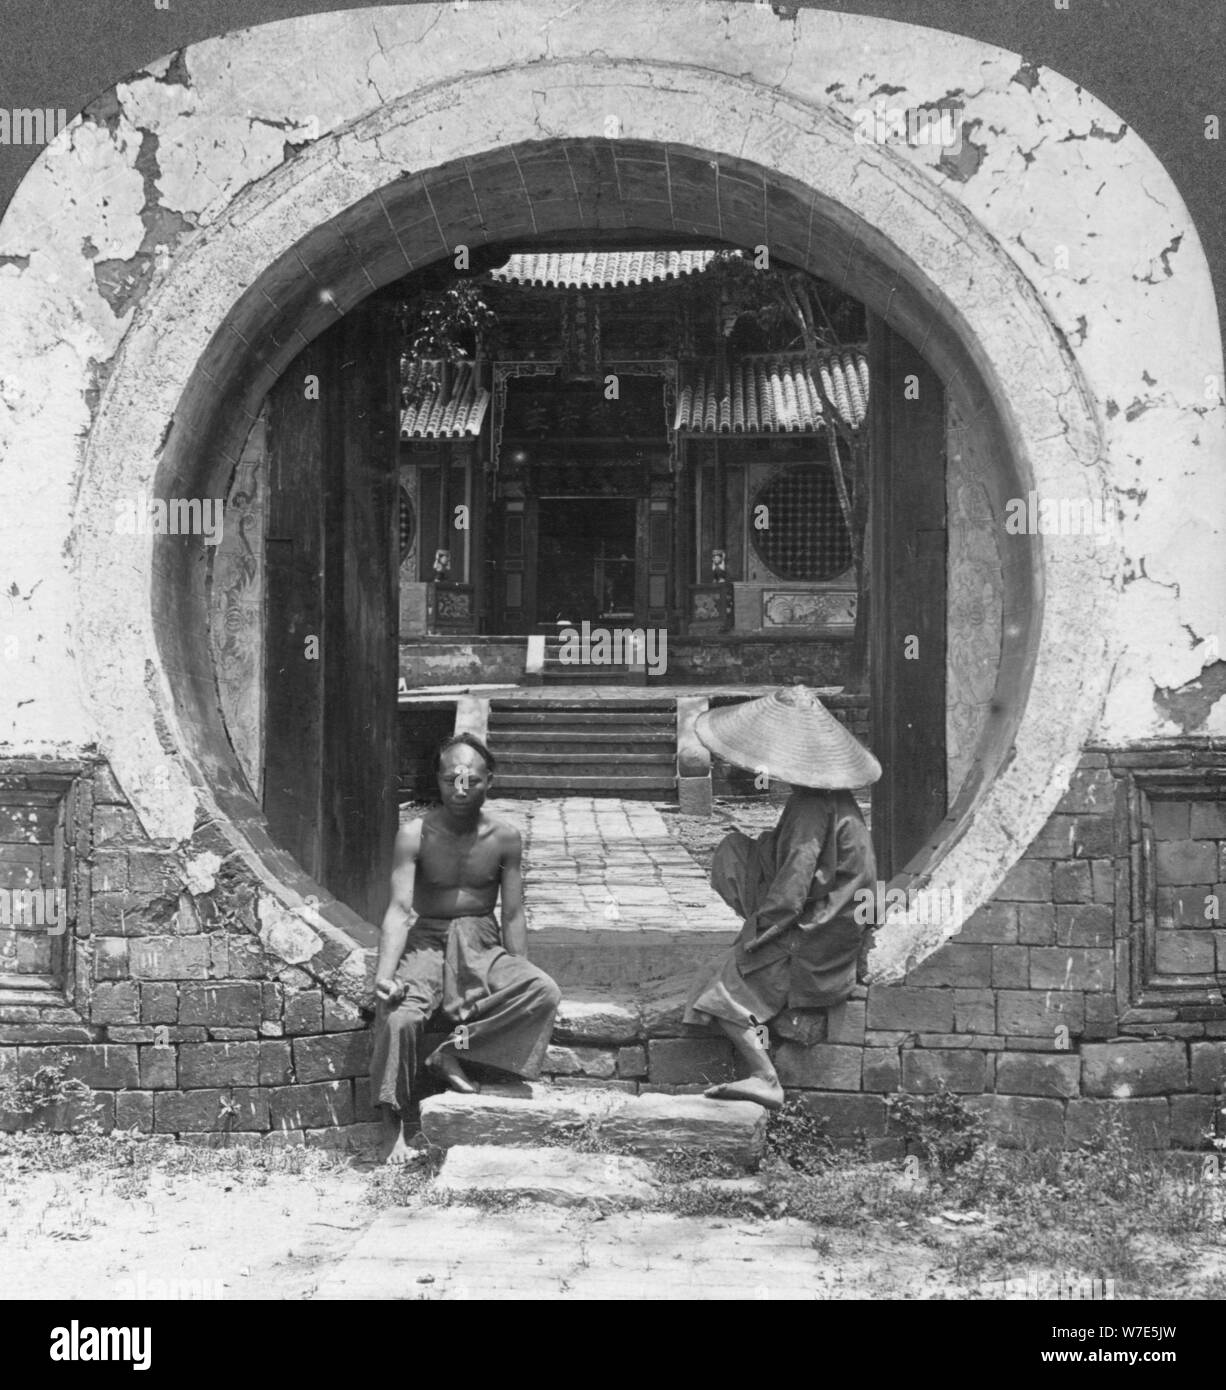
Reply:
x=1093, y=306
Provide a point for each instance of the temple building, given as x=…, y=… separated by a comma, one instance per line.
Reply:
x=614, y=457
x=476, y=319
x=496, y=479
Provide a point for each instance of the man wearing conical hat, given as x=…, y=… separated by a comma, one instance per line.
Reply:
x=795, y=885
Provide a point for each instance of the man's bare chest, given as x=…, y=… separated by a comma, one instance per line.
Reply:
x=459, y=862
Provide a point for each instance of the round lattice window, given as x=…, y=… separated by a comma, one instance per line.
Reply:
x=797, y=526
x=408, y=524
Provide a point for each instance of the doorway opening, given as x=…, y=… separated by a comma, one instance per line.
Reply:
x=586, y=560
x=336, y=550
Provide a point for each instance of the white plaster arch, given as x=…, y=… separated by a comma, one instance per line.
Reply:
x=532, y=73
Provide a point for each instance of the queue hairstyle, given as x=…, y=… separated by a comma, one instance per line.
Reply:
x=472, y=741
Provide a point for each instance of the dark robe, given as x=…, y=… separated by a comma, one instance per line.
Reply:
x=796, y=887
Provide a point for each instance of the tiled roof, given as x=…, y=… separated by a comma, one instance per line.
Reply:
x=601, y=269
x=453, y=410
x=774, y=394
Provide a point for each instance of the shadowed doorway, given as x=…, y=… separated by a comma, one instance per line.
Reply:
x=586, y=559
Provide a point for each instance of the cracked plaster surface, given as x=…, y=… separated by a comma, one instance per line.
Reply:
x=245, y=142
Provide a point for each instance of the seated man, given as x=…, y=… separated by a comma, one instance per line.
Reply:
x=441, y=945
x=795, y=886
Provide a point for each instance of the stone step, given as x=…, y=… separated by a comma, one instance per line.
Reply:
x=633, y=746
x=516, y=763
x=651, y=738
x=542, y=784
x=596, y=954
x=533, y=1115
x=548, y=714
x=558, y=1177
x=587, y=674
x=605, y=1017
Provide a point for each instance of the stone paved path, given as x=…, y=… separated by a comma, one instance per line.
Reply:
x=602, y=862
x=471, y=1253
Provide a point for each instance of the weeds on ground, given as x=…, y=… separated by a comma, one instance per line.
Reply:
x=581, y=1135
x=939, y=1128
x=677, y=1166
x=48, y=1086
x=1108, y=1210
x=131, y=1156
x=796, y=1139
x=401, y=1185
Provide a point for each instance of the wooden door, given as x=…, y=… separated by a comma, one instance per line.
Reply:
x=654, y=550
x=332, y=643
x=517, y=586
x=294, y=609
x=907, y=597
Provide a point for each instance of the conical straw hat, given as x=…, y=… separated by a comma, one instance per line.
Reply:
x=791, y=735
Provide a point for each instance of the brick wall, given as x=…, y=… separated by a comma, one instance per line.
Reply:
x=1089, y=989
x=167, y=1006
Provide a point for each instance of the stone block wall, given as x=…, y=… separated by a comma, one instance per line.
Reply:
x=171, y=1000
x=187, y=1002
x=756, y=660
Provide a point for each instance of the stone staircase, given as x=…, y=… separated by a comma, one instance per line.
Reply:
x=556, y=748
x=555, y=671
x=621, y=1076
x=511, y=1140
x=621, y=916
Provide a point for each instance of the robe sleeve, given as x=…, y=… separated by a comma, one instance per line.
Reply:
x=799, y=847
x=842, y=875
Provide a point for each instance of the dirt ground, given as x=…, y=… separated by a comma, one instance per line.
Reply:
x=86, y=1218
x=182, y=1235
x=303, y=1224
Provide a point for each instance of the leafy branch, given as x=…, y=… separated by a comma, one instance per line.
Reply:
x=776, y=300
x=451, y=323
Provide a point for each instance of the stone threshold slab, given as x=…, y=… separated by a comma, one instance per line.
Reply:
x=558, y=1177
x=533, y=1115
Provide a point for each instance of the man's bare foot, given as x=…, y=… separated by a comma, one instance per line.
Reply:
x=446, y=1065
x=395, y=1147
x=755, y=1088
x=401, y=1155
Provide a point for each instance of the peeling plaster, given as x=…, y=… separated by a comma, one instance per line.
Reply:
x=106, y=259
x=285, y=934
x=1189, y=707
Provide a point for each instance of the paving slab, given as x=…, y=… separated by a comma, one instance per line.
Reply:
x=529, y=1115
x=526, y=1114
x=462, y=1253
x=559, y=1177
x=654, y=1125
x=630, y=860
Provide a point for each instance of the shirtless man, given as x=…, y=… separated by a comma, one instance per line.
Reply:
x=441, y=945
